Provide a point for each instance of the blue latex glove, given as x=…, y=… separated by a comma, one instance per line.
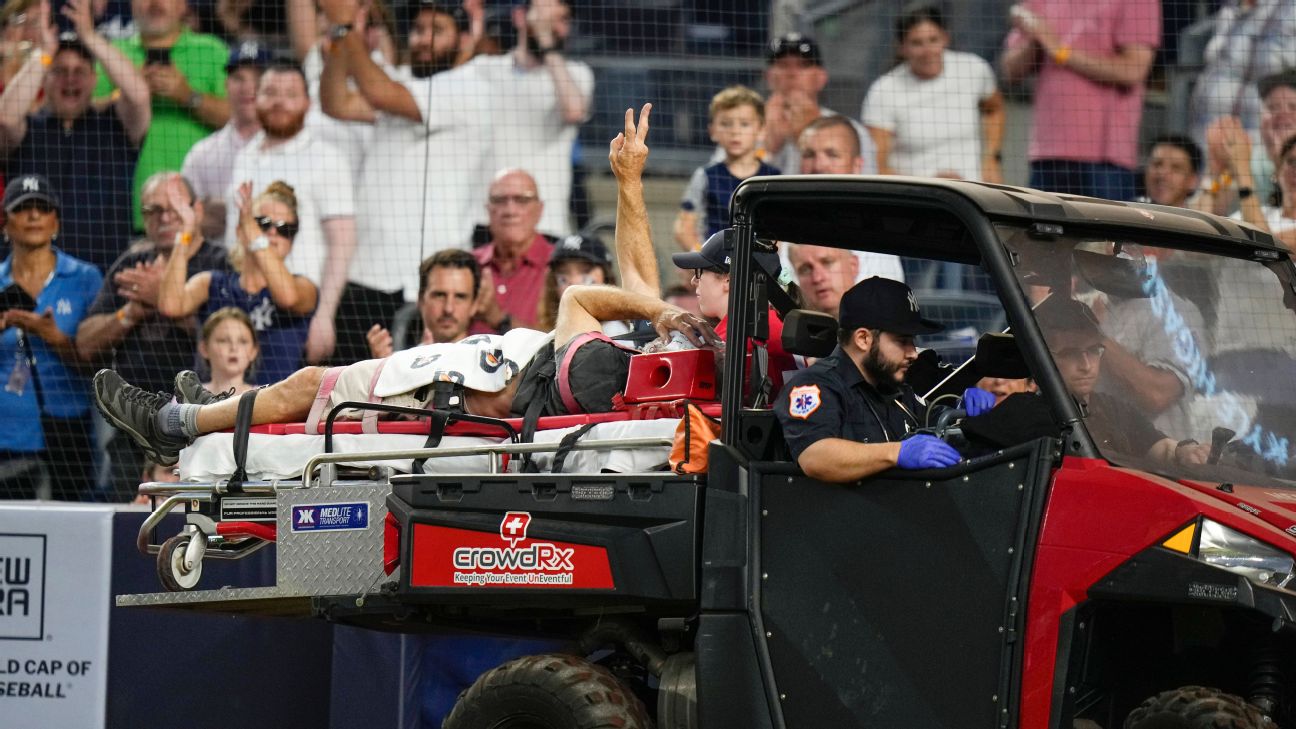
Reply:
x=977, y=401
x=926, y=451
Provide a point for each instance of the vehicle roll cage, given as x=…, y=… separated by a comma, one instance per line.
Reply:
x=950, y=221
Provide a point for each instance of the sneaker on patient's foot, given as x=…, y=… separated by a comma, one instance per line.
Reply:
x=134, y=412
x=189, y=390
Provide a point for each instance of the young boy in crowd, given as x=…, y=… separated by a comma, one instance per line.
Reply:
x=737, y=123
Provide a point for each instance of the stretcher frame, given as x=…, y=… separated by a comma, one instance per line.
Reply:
x=180, y=558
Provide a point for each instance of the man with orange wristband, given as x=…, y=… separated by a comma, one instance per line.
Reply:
x=1092, y=62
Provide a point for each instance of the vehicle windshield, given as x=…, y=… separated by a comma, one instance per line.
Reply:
x=1163, y=346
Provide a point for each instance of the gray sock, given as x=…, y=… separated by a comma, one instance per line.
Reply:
x=179, y=420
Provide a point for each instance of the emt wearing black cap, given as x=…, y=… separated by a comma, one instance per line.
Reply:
x=45, y=403
x=846, y=417
x=88, y=152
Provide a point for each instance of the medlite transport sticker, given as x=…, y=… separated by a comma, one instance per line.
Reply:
x=330, y=517
x=449, y=557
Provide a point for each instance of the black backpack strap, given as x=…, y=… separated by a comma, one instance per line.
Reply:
x=566, y=444
x=436, y=430
x=242, y=432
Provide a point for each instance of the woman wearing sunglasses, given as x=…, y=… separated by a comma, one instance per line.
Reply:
x=45, y=435
x=279, y=303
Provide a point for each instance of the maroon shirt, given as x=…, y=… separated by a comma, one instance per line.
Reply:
x=519, y=292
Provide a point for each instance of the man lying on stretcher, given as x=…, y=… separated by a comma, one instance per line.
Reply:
x=523, y=372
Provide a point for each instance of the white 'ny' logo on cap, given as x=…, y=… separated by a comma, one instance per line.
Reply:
x=913, y=303
x=30, y=184
x=572, y=243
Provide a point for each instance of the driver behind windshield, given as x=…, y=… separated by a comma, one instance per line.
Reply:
x=1076, y=342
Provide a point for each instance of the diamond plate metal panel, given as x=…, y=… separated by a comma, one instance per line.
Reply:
x=253, y=600
x=331, y=562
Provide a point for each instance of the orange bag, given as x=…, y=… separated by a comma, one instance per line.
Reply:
x=694, y=432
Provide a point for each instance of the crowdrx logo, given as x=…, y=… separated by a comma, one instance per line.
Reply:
x=538, y=556
x=513, y=527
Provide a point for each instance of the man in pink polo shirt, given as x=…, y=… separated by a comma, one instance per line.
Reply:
x=1092, y=61
x=516, y=260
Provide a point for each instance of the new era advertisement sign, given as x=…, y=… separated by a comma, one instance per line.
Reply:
x=22, y=586
x=55, y=567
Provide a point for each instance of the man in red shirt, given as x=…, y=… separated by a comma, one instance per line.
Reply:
x=710, y=266
x=516, y=260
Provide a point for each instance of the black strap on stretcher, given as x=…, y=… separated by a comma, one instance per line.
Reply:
x=566, y=445
x=242, y=431
x=438, y=419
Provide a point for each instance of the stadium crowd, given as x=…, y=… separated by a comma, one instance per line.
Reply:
x=246, y=188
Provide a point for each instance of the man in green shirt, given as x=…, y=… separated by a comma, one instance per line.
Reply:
x=186, y=77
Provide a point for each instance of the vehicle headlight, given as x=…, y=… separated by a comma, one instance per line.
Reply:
x=1238, y=553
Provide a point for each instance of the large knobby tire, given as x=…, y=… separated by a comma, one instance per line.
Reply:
x=550, y=691
x=1197, y=707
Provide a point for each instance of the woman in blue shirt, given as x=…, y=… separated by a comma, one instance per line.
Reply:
x=279, y=303
x=45, y=402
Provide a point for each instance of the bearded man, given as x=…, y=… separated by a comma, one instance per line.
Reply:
x=850, y=415
x=321, y=179
x=425, y=168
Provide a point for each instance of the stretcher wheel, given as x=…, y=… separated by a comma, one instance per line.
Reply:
x=171, y=567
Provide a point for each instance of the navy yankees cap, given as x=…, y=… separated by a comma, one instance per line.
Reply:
x=578, y=247
x=714, y=255
x=69, y=41
x=881, y=303
x=795, y=44
x=28, y=187
x=717, y=255
x=248, y=53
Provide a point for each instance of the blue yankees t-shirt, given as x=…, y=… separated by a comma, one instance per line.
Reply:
x=281, y=333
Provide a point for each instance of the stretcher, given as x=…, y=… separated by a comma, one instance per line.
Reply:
x=229, y=519
x=239, y=490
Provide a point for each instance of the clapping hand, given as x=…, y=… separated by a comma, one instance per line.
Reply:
x=178, y=197
x=1228, y=147
x=247, y=227
x=81, y=16
x=489, y=311
x=141, y=282
x=42, y=325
